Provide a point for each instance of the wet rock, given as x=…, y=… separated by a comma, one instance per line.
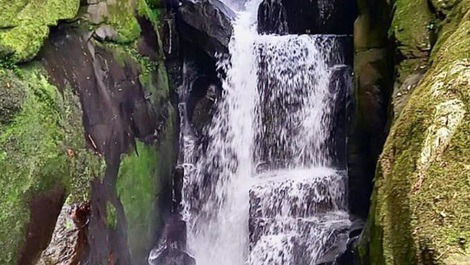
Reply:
x=118, y=107
x=45, y=208
x=201, y=105
x=341, y=84
x=171, y=249
x=350, y=256
x=170, y=256
x=206, y=24
x=306, y=17
x=148, y=42
x=272, y=17
x=202, y=87
x=373, y=77
x=112, y=96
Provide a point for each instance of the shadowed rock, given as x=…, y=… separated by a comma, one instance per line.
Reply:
x=206, y=24
x=172, y=248
x=306, y=17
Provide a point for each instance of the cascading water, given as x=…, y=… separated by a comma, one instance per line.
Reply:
x=260, y=188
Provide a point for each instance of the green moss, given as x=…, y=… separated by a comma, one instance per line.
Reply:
x=122, y=18
x=111, y=215
x=25, y=24
x=420, y=206
x=411, y=27
x=11, y=96
x=137, y=188
x=38, y=151
x=143, y=176
x=149, y=9
x=153, y=75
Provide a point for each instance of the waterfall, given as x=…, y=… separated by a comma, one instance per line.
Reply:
x=262, y=186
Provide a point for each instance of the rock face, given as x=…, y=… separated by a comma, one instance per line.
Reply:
x=373, y=72
x=420, y=212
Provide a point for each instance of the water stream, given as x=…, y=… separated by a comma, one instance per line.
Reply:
x=264, y=188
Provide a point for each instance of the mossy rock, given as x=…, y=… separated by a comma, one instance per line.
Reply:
x=143, y=176
x=12, y=96
x=24, y=25
x=420, y=212
x=412, y=27
x=41, y=147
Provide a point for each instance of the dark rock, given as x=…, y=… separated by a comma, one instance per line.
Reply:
x=115, y=109
x=204, y=92
x=272, y=17
x=206, y=24
x=170, y=256
x=45, y=209
x=172, y=247
x=341, y=83
x=148, y=41
x=306, y=16
x=373, y=74
x=350, y=256
x=372, y=69
x=202, y=87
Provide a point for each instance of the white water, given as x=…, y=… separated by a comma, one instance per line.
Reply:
x=261, y=191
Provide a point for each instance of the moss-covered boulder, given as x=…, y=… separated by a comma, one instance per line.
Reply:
x=420, y=212
x=43, y=158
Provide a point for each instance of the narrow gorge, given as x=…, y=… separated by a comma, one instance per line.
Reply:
x=234, y=132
